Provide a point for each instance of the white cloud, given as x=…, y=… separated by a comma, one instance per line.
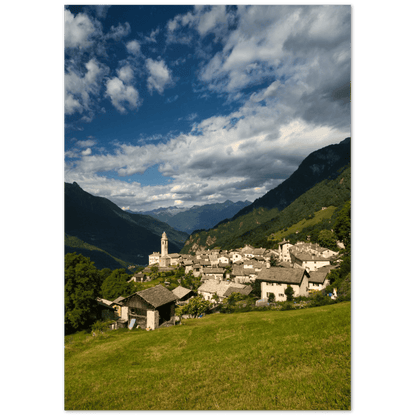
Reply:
x=101, y=10
x=119, y=93
x=133, y=47
x=239, y=156
x=86, y=152
x=126, y=74
x=119, y=31
x=79, y=89
x=86, y=143
x=78, y=29
x=160, y=75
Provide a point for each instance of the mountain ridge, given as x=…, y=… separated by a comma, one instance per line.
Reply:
x=321, y=164
x=101, y=223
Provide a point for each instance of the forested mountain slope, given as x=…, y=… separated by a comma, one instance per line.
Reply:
x=101, y=223
x=255, y=227
x=322, y=164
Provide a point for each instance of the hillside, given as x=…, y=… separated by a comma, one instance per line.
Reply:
x=100, y=257
x=102, y=224
x=292, y=360
x=255, y=227
x=198, y=217
x=322, y=164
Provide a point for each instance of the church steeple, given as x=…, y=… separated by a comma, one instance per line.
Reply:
x=164, y=245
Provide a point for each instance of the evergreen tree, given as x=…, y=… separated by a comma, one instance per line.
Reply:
x=289, y=293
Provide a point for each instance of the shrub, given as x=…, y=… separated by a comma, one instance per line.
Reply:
x=100, y=327
x=286, y=306
x=289, y=293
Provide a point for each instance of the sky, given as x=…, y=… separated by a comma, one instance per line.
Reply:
x=191, y=105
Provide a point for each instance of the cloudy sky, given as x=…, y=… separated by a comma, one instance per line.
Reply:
x=189, y=105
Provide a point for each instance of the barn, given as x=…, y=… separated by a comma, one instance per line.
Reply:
x=151, y=307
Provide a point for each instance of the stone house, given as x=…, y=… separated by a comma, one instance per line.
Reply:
x=318, y=280
x=151, y=307
x=283, y=251
x=235, y=256
x=183, y=294
x=211, y=287
x=138, y=277
x=154, y=258
x=308, y=261
x=212, y=273
x=276, y=279
x=175, y=259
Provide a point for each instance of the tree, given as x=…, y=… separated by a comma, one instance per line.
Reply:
x=289, y=293
x=327, y=239
x=215, y=298
x=195, y=307
x=273, y=261
x=256, y=285
x=342, y=226
x=116, y=285
x=271, y=298
x=82, y=284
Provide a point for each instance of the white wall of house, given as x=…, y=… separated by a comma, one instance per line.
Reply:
x=154, y=258
x=206, y=295
x=318, y=286
x=152, y=319
x=279, y=289
x=125, y=312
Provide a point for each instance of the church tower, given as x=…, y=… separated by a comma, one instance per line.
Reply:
x=164, y=259
x=164, y=244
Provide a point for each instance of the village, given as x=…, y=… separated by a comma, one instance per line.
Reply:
x=303, y=266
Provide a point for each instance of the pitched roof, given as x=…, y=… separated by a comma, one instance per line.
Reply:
x=243, y=290
x=215, y=270
x=181, y=291
x=105, y=301
x=157, y=296
x=282, y=275
x=120, y=298
x=308, y=256
x=318, y=277
x=213, y=286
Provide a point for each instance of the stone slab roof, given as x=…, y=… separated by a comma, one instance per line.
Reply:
x=318, y=277
x=181, y=291
x=213, y=286
x=282, y=275
x=243, y=290
x=155, y=296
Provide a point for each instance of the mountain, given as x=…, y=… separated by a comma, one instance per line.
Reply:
x=322, y=164
x=112, y=232
x=323, y=179
x=198, y=217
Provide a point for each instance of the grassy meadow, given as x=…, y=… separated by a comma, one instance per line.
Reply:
x=299, y=226
x=292, y=360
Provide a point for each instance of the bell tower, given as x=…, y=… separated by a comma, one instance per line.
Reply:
x=164, y=259
x=164, y=245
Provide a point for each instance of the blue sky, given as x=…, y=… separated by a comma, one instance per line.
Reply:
x=189, y=105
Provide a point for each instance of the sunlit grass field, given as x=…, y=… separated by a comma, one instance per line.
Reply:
x=299, y=359
x=299, y=226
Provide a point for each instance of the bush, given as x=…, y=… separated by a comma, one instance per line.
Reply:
x=286, y=306
x=100, y=327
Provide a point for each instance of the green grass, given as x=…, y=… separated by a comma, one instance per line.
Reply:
x=299, y=226
x=250, y=361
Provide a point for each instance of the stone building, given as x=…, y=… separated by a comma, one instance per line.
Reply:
x=164, y=260
x=151, y=307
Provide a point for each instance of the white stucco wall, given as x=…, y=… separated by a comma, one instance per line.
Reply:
x=152, y=319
